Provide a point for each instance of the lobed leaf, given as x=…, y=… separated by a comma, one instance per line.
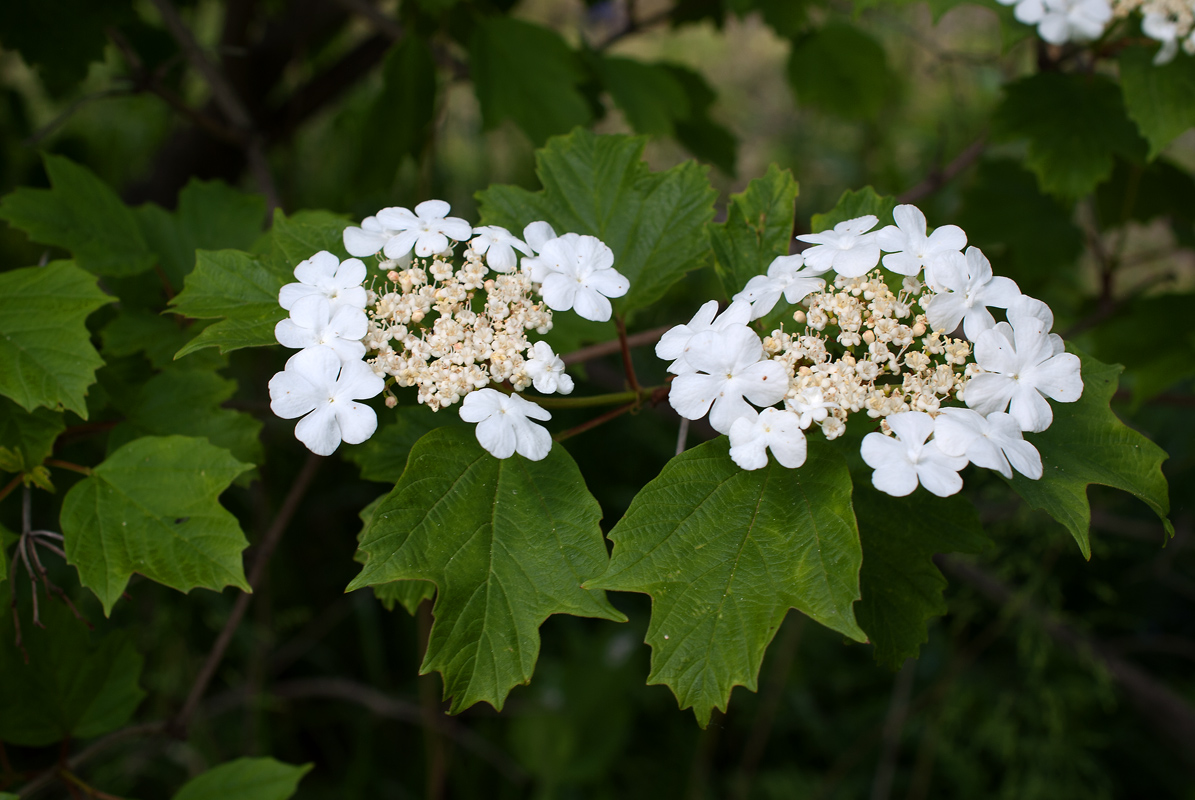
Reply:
x=29, y=435
x=527, y=74
x=245, y=779
x=725, y=553
x=856, y=204
x=600, y=186
x=506, y=543
x=46, y=357
x=241, y=291
x=1074, y=124
x=408, y=594
x=758, y=228
x=1087, y=443
x=383, y=456
x=902, y=588
x=1159, y=98
x=152, y=508
x=74, y=685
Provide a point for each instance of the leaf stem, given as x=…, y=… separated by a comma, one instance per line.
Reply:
x=593, y=423
x=594, y=400
x=177, y=726
x=7, y=490
x=73, y=467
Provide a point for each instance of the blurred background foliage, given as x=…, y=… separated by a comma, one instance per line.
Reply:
x=1050, y=677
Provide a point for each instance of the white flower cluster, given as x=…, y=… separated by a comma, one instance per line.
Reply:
x=1171, y=22
x=862, y=347
x=438, y=322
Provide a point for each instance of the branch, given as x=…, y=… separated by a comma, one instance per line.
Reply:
x=633, y=26
x=615, y=345
x=939, y=177
x=178, y=724
x=91, y=751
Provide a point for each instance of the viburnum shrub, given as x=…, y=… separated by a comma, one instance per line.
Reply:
x=613, y=384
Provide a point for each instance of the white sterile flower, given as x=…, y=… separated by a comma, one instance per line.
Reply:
x=546, y=370
x=909, y=248
x=727, y=368
x=673, y=344
x=325, y=275
x=504, y=425
x=1062, y=21
x=537, y=234
x=368, y=239
x=967, y=287
x=498, y=245
x=1020, y=370
x=581, y=276
x=848, y=249
x=1163, y=28
x=787, y=275
x=774, y=429
x=312, y=323
x=427, y=230
x=992, y=442
x=900, y=462
x=810, y=406
x=316, y=383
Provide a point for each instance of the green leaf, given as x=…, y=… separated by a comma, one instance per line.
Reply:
x=1029, y=234
x=245, y=779
x=400, y=119
x=303, y=234
x=649, y=95
x=902, y=588
x=139, y=331
x=599, y=185
x=841, y=70
x=724, y=553
x=408, y=594
x=151, y=507
x=30, y=435
x=527, y=74
x=210, y=216
x=698, y=132
x=74, y=686
x=1160, y=99
x=856, y=204
x=238, y=289
x=46, y=357
x=82, y=214
x=758, y=228
x=187, y=402
x=507, y=542
x=1166, y=361
x=383, y=456
x=1074, y=124
x=1087, y=443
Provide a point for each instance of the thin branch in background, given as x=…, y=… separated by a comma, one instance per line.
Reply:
x=615, y=345
x=430, y=710
x=633, y=26
x=939, y=177
x=41, y=133
x=596, y=421
x=898, y=711
x=375, y=15
x=90, y=752
x=628, y=366
x=178, y=724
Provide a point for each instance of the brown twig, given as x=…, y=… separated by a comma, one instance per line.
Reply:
x=633, y=26
x=593, y=423
x=178, y=724
x=615, y=345
x=8, y=487
x=939, y=177
x=90, y=752
x=627, y=365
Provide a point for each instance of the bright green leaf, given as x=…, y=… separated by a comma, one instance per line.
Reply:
x=1074, y=124
x=648, y=94
x=599, y=185
x=902, y=588
x=46, y=357
x=408, y=594
x=74, y=686
x=303, y=234
x=758, y=228
x=527, y=74
x=240, y=290
x=210, y=216
x=30, y=435
x=856, y=204
x=82, y=214
x=187, y=402
x=842, y=70
x=507, y=542
x=724, y=553
x=152, y=508
x=245, y=779
x=1160, y=99
x=1088, y=444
